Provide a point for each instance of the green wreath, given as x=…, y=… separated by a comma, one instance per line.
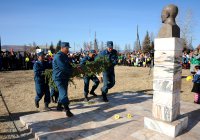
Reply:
x=90, y=68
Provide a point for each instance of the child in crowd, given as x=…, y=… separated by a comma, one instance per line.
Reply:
x=196, y=85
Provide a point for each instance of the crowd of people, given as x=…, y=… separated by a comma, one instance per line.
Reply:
x=190, y=59
x=137, y=59
x=11, y=60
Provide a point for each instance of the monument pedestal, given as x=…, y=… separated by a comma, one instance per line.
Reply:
x=167, y=86
x=171, y=129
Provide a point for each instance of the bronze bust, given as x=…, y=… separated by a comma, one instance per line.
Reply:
x=169, y=27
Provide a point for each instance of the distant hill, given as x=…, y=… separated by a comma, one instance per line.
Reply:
x=14, y=47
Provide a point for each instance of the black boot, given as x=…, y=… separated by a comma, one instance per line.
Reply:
x=59, y=107
x=105, y=98
x=36, y=104
x=68, y=112
x=86, y=99
x=92, y=93
x=52, y=99
x=46, y=107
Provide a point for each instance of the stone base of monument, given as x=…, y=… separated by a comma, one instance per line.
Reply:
x=171, y=129
x=167, y=86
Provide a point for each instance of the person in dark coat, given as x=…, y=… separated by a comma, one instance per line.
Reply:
x=42, y=88
x=109, y=73
x=62, y=70
x=196, y=85
x=87, y=78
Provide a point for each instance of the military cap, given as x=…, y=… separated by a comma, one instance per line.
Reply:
x=92, y=51
x=65, y=44
x=40, y=53
x=109, y=44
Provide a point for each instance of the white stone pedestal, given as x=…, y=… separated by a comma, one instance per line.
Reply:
x=171, y=129
x=167, y=86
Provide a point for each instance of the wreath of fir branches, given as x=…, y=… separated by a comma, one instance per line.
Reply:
x=90, y=68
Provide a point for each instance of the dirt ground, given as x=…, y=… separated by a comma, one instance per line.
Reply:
x=18, y=90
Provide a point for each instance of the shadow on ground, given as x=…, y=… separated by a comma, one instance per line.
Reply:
x=193, y=119
x=139, y=91
x=12, y=132
x=15, y=116
x=97, y=114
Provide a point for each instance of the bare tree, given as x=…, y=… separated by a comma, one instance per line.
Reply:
x=186, y=23
x=117, y=48
x=84, y=46
x=136, y=46
x=90, y=45
x=129, y=47
x=102, y=46
x=126, y=49
x=34, y=44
